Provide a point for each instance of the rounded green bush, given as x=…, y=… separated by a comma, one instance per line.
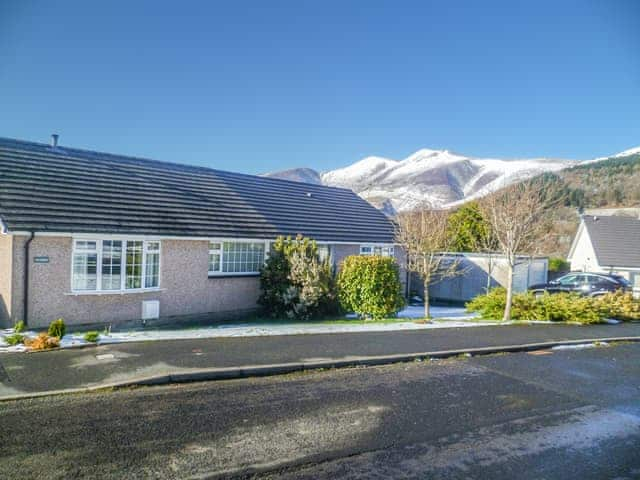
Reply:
x=57, y=328
x=91, y=336
x=370, y=286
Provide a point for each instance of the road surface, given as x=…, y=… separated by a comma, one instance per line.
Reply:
x=555, y=414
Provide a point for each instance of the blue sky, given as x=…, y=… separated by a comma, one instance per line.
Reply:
x=262, y=86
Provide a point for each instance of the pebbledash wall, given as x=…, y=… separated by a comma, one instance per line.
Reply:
x=186, y=289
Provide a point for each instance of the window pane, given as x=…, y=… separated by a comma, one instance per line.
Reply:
x=214, y=246
x=152, y=270
x=214, y=262
x=242, y=257
x=323, y=252
x=373, y=250
x=134, y=264
x=85, y=271
x=85, y=245
x=111, y=264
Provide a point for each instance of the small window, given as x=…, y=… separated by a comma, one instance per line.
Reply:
x=84, y=245
x=366, y=250
x=152, y=265
x=385, y=251
x=324, y=253
x=215, y=257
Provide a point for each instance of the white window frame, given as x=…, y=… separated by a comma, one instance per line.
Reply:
x=123, y=264
x=370, y=250
x=329, y=253
x=220, y=252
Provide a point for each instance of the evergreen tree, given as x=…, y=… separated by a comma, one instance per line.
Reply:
x=468, y=229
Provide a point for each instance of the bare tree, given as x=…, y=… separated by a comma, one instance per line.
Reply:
x=488, y=245
x=519, y=218
x=424, y=237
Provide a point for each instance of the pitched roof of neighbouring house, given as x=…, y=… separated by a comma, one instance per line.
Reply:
x=615, y=239
x=60, y=189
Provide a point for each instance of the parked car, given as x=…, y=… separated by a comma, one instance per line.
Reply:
x=584, y=283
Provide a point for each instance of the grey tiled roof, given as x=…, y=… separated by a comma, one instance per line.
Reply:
x=616, y=240
x=71, y=190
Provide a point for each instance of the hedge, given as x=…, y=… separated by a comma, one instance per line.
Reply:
x=560, y=307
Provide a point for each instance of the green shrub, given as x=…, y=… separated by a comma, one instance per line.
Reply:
x=569, y=307
x=57, y=328
x=620, y=305
x=370, y=286
x=14, y=339
x=557, y=264
x=294, y=282
x=561, y=307
x=19, y=327
x=92, y=336
x=489, y=306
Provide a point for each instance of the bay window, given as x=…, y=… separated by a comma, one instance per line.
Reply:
x=236, y=258
x=115, y=265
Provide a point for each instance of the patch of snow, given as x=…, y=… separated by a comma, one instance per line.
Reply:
x=612, y=321
x=626, y=153
x=361, y=171
x=437, y=312
x=73, y=340
x=275, y=330
x=13, y=348
x=447, y=317
x=580, y=346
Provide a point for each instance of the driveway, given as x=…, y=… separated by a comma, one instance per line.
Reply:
x=556, y=415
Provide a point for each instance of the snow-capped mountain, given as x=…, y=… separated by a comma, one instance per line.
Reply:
x=438, y=178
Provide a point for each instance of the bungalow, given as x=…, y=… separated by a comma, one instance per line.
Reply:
x=101, y=238
x=608, y=244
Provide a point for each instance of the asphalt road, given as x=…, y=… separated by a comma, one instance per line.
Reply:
x=561, y=414
x=95, y=366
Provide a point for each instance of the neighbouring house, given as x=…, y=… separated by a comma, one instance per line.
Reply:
x=482, y=271
x=100, y=238
x=608, y=244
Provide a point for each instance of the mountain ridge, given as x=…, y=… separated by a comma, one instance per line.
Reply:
x=428, y=177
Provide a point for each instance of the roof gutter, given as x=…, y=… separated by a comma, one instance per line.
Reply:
x=25, y=306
